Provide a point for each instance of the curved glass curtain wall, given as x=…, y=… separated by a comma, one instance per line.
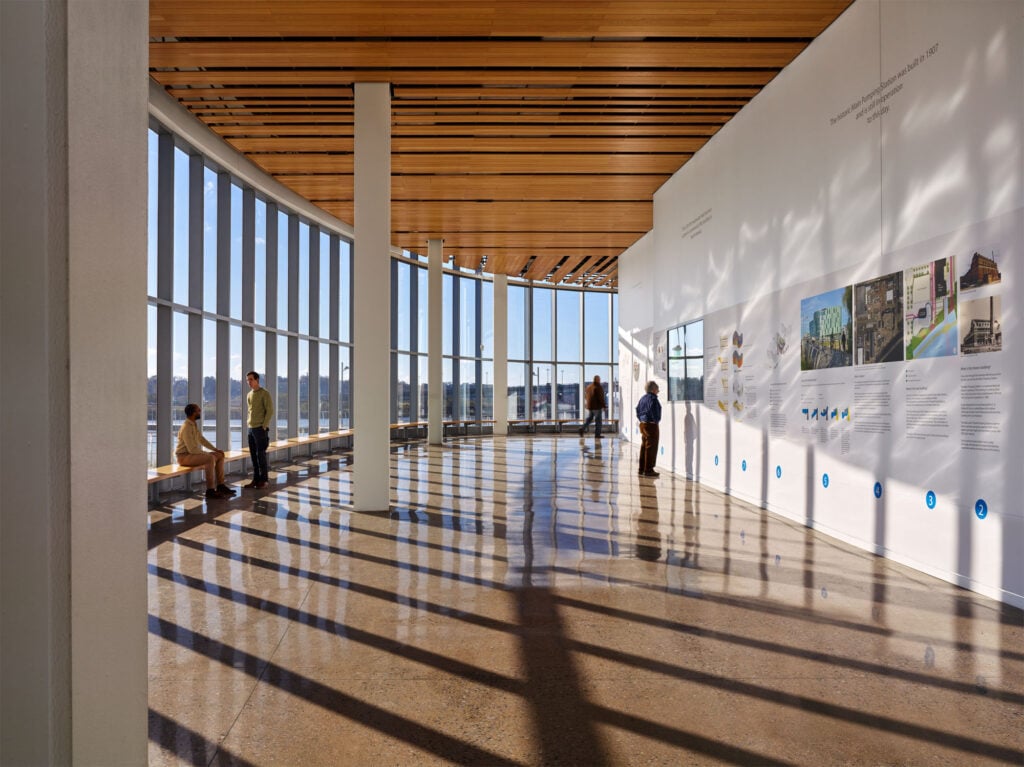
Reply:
x=238, y=282
x=558, y=340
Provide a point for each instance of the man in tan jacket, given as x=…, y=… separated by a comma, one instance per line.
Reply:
x=189, y=452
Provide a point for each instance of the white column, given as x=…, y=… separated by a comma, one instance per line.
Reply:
x=371, y=300
x=500, y=354
x=73, y=191
x=435, y=367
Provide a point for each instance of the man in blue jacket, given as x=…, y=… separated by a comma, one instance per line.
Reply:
x=648, y=413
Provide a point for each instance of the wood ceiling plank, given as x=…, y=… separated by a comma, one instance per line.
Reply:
x=275, y=164
x=297, y=91
x=451, y=162
x=403, y=93
x=541, y=267
x=442, y=217
x=557, y=242
x=581, y=269
x=646, y=77
x=517, y=130
x=624, y=116
x=392, y=54
x=296, y=108
x=447, y=145
x=524, y=187
x=506, y=18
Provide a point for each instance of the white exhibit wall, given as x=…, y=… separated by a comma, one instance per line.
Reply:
x=875, y=181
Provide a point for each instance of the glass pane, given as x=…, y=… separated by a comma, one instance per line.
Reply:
x=283, y=257
x=675, y=342
x=209, y=403
x=449, y=388
x=542, y=324
x=517, y=391
x=446, y=314
x=260, y=284
x=605, y=373
x=467, y=390
x=304, y=386
x=487, y=320
x=693, y=389
x=180, y=293
x=541, y=407
x=402, y=393
x=154, y=191
x=179, y=381
x=568, y=325
x=468, y=342
x=324, y=287
x=235, y=278
x=209, y=240
x=487, y=406
x=237, y=399
x=424, y=389
x=570, y=393
x=345, y=394
x=304, y=286
x=403, y=318
x=695, y=339
x=281, y=403
x=423, y=305
x=516, y=323
x=324, y=396
x=345, y=293
x=151, y=435
x=596, y=339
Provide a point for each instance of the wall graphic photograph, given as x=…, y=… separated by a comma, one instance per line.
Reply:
x=878, y=320
x=930, y=295
x=981, y=325
x=826, y=330
x=981, y=269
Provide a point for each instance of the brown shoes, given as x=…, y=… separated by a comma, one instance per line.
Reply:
x=257, y=484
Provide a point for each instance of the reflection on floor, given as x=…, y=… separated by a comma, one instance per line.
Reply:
x=531, y=601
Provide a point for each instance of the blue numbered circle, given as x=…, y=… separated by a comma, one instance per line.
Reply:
x=744, y=465
x=929, y=499
x=716, y=460
x=981, y=508
x=778, y=472
x=878, y=490
x=824, y=480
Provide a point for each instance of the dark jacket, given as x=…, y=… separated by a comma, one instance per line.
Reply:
x=648, y=409
x=594, y=397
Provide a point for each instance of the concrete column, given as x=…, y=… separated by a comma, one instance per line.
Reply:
x=435, y=360
x=371, y=324
x=73, y=191
x=500, y=354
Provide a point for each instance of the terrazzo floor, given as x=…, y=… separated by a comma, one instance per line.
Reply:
x=531, y=601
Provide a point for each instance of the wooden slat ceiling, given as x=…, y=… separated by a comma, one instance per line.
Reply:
x=529, y=134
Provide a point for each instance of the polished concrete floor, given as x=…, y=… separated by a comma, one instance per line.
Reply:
x=531, y=601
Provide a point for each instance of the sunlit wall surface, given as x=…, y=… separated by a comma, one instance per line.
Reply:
x=238, y=282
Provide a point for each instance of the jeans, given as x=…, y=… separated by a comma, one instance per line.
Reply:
x=259, y=440
x=593, y=415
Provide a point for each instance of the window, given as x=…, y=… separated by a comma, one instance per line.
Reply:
x=686, y=362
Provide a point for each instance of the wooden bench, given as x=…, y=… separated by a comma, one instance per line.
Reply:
x=161, y=473
x=529, y=425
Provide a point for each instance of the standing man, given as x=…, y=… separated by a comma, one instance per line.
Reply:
x=261, y=411
x=648, y=413
x=596, y=403
x=189, y=452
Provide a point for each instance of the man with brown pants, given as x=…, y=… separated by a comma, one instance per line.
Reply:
x=648, y=414
x=189, y=452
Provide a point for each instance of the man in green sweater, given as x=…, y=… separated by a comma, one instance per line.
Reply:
x=261, y=412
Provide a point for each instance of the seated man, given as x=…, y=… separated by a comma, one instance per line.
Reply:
x=189, y=452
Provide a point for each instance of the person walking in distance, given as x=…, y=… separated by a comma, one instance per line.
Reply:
x=261, y=411
x=189, y=452
x=648, y=413
x=597, y=404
